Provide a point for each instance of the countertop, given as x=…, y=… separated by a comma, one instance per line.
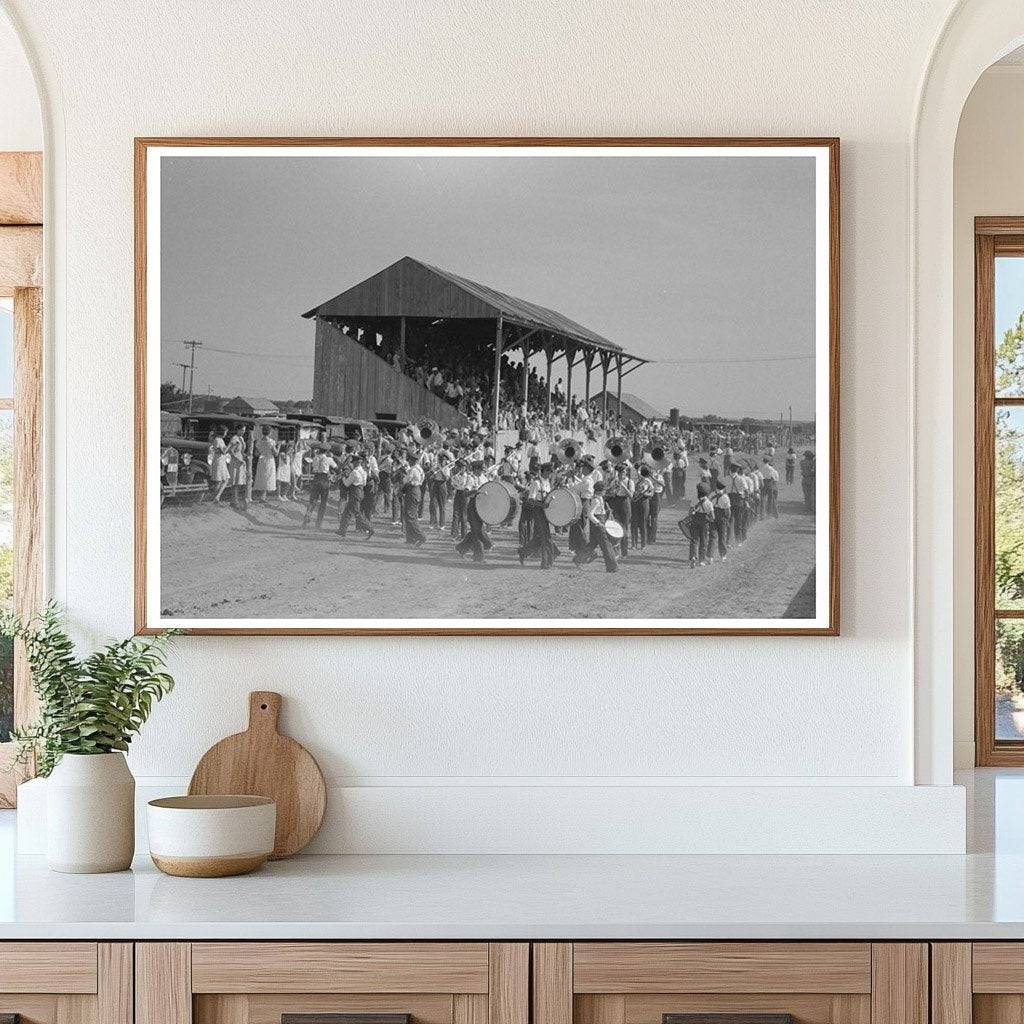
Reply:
x=531, y=897
x=977, y=896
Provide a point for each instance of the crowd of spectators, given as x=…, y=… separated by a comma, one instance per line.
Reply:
x=468, y=387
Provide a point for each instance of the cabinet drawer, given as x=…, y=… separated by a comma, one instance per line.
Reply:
x=340, y=967
x=66, y=982
x=264, y=982
x=48, y=967
x=733, y=982
x=630, y=967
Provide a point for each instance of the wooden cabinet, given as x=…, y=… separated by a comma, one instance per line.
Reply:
x=650, y=982
x=979, y=982
x=66, y=982
x=494, y=983
x=262, y=982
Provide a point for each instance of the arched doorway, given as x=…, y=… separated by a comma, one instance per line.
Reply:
x=975, y=35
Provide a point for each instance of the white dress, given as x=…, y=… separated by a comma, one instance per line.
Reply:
x=266, y=468
x=219, y=461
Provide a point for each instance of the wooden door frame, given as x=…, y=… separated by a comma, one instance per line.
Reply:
x=21, y=270
x=993, y=236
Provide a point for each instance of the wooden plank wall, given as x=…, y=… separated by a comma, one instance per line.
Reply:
x=350, y=380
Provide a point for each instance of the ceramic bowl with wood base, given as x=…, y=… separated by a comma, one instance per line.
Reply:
x=211, y=836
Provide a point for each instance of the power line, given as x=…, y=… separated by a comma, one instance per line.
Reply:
x=751, y=359
x=254, y=355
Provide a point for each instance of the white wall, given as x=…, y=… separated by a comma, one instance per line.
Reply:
x=988, y=181
x=442, y=714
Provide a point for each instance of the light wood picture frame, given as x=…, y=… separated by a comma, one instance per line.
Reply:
x=187, y=209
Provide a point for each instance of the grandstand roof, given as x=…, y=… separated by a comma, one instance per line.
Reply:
x=411, y=287
x=630, y=401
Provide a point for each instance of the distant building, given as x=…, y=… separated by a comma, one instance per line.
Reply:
x=634, y=410
x=242, y=406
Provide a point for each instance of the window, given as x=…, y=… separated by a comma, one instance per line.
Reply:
x=999, y=491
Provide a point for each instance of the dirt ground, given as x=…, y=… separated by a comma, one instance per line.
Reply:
x=219, y=562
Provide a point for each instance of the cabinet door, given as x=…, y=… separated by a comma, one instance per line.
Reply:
x=66, y=982
x=736, y=982
x=332, y=983
x=981, y=982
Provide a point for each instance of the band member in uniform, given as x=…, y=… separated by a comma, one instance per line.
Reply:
x=701, y=515
x=372, y=488
x=412, y=490
x=771, y=488
x=385, y=468
x=658, y=483
x=437, y=481
x=738, y=504
x=322, y=466
x=477, y=540
x=597, y=515
x=461, y=481
x=355, y=482
x=639, y=516
x=618, y=495
x=680, y=463
x=762, y=493
x=704, y=474
x=576, y=481
x=753, y=474
x=715, y=472
x=723, y=516
x=538, y=487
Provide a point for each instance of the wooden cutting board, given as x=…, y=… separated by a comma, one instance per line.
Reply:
x=262, y=762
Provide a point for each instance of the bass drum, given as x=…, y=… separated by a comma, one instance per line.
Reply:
x=493, y=503
x=614, y=529
x=564, y=507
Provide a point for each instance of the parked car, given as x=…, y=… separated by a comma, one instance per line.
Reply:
x=342, y=428
x=184, y=469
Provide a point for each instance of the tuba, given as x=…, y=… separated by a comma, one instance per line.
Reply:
x=616, y=449
x=657, y=456
x=428, y=430
x=568, y=450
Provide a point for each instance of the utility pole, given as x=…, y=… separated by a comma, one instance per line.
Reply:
x=193, y=345
x=184, y=370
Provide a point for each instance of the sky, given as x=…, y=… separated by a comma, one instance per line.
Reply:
x=1009, y=293
x=703, y=264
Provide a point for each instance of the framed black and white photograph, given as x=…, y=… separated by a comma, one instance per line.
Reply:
x=487, y=386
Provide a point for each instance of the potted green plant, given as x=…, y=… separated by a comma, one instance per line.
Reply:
x=89, y=710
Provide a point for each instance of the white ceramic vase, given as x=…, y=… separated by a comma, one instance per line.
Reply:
x=90, y=814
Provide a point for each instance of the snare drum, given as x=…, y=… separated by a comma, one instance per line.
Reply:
x=614, y=529
x=493, y=502
x=685, y=527
x=564, y=507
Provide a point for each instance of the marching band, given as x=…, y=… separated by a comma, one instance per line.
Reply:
x=604, y=507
